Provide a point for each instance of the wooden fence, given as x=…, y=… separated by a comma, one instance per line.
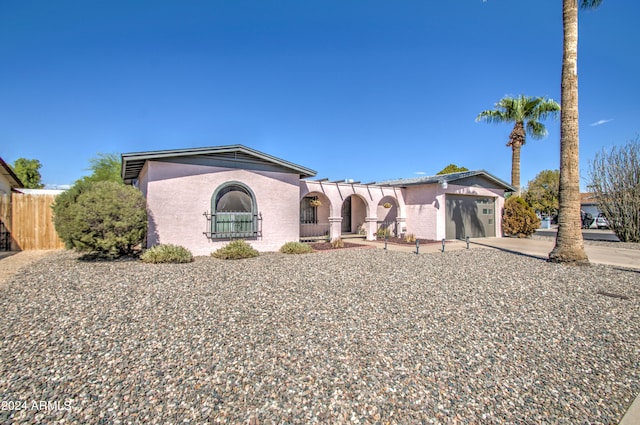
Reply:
x=32, y=222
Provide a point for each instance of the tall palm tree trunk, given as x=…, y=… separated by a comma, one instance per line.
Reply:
x=515, y=167
x=569, y=246
x=516, y=140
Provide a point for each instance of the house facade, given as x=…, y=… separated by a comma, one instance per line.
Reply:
x=8, y=182
x=201, y=198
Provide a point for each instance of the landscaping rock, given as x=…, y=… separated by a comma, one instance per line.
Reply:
x=344, y=336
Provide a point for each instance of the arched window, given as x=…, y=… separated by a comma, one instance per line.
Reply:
x=234, y=198
x=234, y=212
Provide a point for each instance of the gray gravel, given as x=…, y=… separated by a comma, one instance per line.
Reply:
x=348, y=336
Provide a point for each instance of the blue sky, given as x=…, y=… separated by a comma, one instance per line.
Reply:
x=362, y=89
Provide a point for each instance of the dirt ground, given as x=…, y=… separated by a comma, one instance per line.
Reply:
x=11, y=262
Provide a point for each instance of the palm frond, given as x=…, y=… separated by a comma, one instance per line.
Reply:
x=492, y=116
x=545, y=108
x=522, y=109
x=536, y=129
x=590, y=4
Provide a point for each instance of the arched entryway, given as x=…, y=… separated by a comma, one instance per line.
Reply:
x=387, y=216
x=315, y=209
x=353, y=213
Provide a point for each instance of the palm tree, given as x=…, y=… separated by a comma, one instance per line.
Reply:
x=569, y=246
x=526, y=113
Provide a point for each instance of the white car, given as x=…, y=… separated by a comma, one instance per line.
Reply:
x=602, y=222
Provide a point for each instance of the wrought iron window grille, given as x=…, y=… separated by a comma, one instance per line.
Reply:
x=233, y=225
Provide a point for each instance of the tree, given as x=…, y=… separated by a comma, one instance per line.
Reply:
x=105, y=167
x=542, y=192
x=452, y=168
x=569, y=246
x=518, y=218
x=526, y=113
x=105, y=217
x=615, y=182
x=28, y=172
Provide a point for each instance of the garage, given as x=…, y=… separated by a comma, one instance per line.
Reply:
x=472, y=216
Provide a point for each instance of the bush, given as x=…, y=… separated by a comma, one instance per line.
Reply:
x=63, y=212
x=518, y=218
x=337, y=243
x=383, y=232
x=107, y=218
x=235, y=250
x=410, y=238
x=296, y=248
x=167, y=254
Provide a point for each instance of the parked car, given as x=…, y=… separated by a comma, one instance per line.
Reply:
x=602, y=222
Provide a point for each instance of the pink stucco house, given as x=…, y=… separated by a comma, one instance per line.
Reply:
x=201, y=198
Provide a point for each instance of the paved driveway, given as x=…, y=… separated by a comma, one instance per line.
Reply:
x=613, y=256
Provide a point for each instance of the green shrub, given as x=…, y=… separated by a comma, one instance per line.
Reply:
x=64, y=210
x=296, y=248
x=167, y=254
x=519, y=219
x=107, y=218
x=235, y=250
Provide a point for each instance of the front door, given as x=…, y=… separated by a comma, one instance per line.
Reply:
x=346, y=215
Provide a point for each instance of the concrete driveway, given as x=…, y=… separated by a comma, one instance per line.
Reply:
x=613, y=256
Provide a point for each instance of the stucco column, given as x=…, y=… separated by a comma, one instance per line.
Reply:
x=371, y=227
x=335, y=228
x=401, y=226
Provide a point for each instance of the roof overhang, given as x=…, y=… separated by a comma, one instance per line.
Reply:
x=8, y=173
x=451, y=178
x=233, y=156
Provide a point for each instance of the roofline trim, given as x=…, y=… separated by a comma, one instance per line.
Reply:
x=11, y=174
x=449, y=178
x=173, y=153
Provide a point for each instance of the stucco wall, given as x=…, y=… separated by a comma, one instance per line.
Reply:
x=426, y=214
x=358, y=213
x=423, y=207
x=178, y=195
x=5, y=186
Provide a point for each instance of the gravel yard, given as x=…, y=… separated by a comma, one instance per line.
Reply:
x=348, y=336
